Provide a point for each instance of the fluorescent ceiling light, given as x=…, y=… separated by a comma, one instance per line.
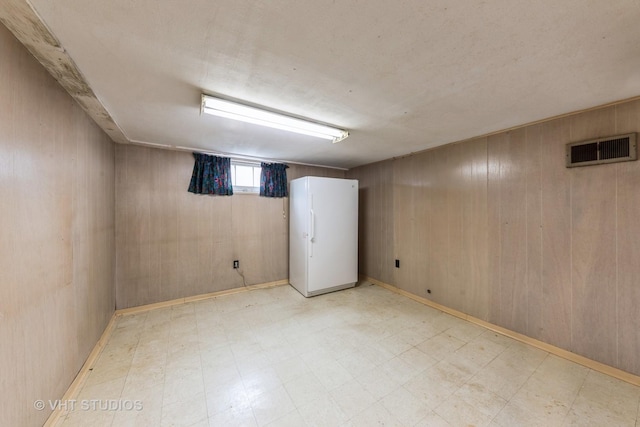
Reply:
x=232, y=110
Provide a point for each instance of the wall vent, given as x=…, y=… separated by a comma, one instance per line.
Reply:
x=612, y=149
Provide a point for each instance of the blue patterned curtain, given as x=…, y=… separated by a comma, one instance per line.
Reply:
x=211, y=175
x=273, y=180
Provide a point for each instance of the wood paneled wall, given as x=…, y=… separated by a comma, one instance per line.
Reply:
x=498, y=228
x=173, y=244
x=375, y=222
x=57, y=236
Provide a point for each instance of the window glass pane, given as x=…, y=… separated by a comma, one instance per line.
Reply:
x=244, y=176
x=256, y=176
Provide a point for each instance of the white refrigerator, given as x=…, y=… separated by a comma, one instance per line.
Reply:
x=323, y=234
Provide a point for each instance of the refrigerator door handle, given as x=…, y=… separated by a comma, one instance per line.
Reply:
x=313, y=225
x=313, y=232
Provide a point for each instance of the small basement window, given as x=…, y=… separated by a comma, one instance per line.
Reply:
x=245, y=176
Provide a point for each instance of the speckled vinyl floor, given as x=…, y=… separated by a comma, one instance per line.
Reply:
x=360, y=357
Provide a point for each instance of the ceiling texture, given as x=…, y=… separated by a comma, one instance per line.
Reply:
x=400, y=76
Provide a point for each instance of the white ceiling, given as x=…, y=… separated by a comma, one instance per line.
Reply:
x=401, y=76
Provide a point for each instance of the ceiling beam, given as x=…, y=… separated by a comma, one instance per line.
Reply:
x=23, y=21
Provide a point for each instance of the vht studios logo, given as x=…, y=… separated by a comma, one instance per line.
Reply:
x=89, y=405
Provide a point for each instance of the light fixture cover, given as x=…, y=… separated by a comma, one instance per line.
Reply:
x=232, y=110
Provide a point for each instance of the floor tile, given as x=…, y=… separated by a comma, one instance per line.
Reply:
x=436, y=384
x=233, y=417
x=332, y=375
x=440, y=346
x=292, y=419
x=322, y=412
x=227, y=396
x=359, y=357
x=89, y=418
x=417, y=359
x=433, y=420
x=378, y=383
x=271, y=405
x=145, y=411
x=290, y=368
x=260, y=380
x=376, y=415
x=305, y=388
x=405, y=407
x=352, y=398
x=185, y=412
x=400, y=370
x=471, y=404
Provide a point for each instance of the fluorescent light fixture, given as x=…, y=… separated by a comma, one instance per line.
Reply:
x=232, y=110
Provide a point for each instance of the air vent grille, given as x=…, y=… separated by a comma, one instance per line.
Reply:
x=619, y=148
x=614, y=148
x=584, y=153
